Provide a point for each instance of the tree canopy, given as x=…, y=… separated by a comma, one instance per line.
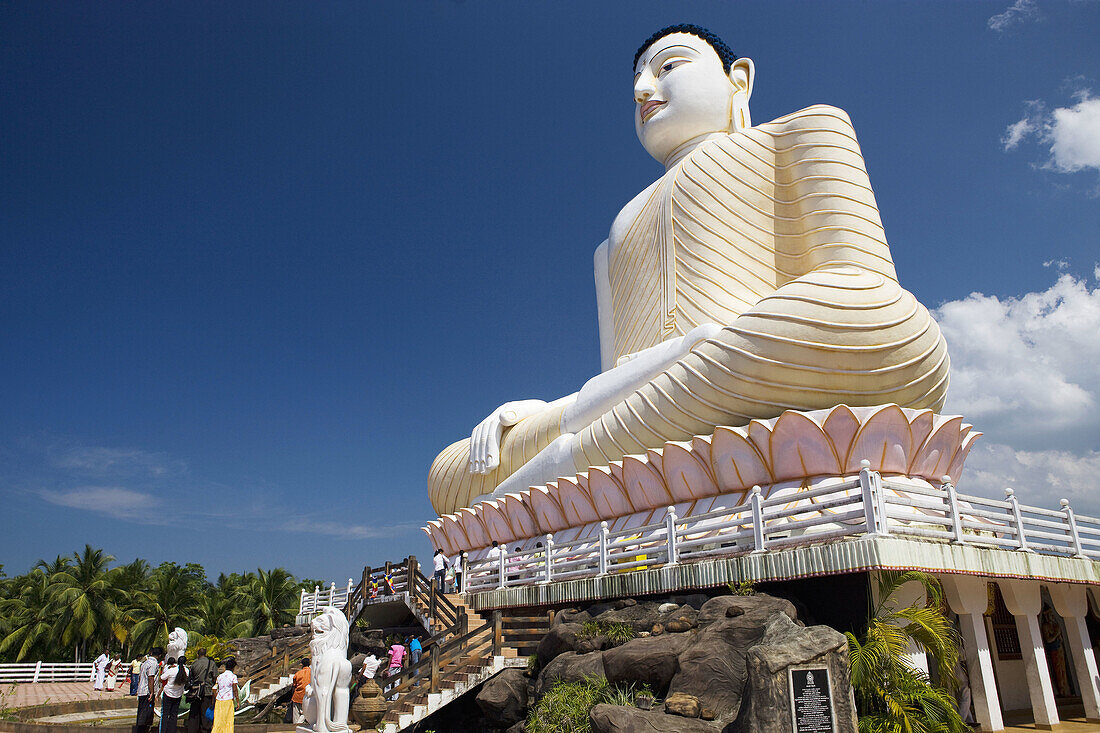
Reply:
x=75, y=606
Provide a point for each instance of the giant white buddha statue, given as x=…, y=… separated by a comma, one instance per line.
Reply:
x=751, y=278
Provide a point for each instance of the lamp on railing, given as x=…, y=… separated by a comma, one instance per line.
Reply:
x=1071, y=520
x=756, y=500
x=603, y=548
x=549, y=558
x=1014, y=507
x=670, y=533
x=953, y=509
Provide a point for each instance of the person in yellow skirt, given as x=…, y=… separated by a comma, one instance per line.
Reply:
x=225, y=698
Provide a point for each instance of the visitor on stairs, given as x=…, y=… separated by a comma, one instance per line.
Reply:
x=174, y=678
x=301, y=681
x=225, y=698
x=440, y=564
x=397, y=656
x=200, y=693
x=413, y=643
x=146, y=691
x=456, y=564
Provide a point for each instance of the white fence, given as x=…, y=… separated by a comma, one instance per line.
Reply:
x=311, y=603
x=866, y=505
x=46, y=672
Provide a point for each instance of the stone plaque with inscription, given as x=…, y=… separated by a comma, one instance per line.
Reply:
x=811, y=700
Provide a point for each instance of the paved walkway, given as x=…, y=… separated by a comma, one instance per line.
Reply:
x=1073, y=721
x=25, y=694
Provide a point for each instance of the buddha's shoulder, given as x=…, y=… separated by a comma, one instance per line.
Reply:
x=818, y=117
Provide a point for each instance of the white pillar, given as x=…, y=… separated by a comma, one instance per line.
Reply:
x=912, y=594
x=1023, y=601
x=1072, y=605
x=968, y=596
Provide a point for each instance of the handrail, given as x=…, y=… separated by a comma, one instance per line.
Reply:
x=866, y=505
x=456, y=650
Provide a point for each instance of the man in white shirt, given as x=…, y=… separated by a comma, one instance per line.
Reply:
x=146, y=690
x=99, y=666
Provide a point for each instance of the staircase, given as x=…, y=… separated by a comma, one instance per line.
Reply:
x=455, y=660
x=274, y=674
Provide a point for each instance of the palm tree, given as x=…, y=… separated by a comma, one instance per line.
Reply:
x=172, y=600
x=28, y=617
x=893, y=695
x=220, y=617
x=269, y=599
x=85, y=599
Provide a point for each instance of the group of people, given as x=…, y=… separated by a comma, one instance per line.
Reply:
x=105, y=670
x=447, y=572
x=212, y=696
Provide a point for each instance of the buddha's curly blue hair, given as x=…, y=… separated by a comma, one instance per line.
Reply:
x=719, y=46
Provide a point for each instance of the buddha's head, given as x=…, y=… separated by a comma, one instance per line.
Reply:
x=688, y=83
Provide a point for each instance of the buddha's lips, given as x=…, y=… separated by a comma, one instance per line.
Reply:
x=648, y=109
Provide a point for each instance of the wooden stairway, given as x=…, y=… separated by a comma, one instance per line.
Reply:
x=455, y=660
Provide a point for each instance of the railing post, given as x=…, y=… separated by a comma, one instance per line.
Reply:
x=1071, y=520
x=501, y=559
x=670, y=534
x=498, y=632
x=549, y=557
x=464, y=562
x=37, y=670
x=431, y=602
x=603, y=548
x=953, y=509
x=867, y=496
x=331, y=593
x=756, y=499
x=463, y=621
x=411, y=568
x=301, y=601
x=880, y=497
x=433, y=651
x=1014, y=507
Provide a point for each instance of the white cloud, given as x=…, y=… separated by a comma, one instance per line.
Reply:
x=348, y=531
x=103, y=461
x=1040, y=478
x=1020, y=11
x=1026, y=372
x=112, y=501
x=1071, y=135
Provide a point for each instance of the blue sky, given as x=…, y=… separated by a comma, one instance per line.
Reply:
x=261, y=261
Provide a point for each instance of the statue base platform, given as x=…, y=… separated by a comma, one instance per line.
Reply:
x=795, y=453
x=309, y=729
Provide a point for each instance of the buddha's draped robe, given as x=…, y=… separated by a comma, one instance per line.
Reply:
x=775, y=234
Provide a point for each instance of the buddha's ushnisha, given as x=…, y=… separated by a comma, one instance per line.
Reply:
x=752, y=277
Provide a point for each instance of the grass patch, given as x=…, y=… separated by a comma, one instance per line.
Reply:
x=617, y=633
x=565, y=708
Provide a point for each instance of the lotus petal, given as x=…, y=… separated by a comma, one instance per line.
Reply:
x=841, y=427
x=885, y=439
x=956, y=468
x=496, y=522
x=920, y=427
x=736, y=462
x=471, y=524
x=799, y=448
x=575, y=503
x=546, y=509
x=685, y=474
x=642, y=480
x=518, y=511
x=936, y=454
x=607, y=494
x=454, y=529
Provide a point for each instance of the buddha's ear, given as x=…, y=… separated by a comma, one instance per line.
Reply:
x=742, y=74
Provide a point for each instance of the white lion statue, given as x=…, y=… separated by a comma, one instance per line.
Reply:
x=327, y=697
x=177, y=643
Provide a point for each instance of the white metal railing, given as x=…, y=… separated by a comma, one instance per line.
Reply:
x=46, y=672
x=311, y=603
x=867, y=505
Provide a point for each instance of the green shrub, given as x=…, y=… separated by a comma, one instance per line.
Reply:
x=565, y=708
x=617, y=633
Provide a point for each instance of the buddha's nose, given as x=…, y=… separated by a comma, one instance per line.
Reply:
x=643, y=87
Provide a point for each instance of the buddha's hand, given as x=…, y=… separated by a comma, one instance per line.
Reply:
x=485, y=439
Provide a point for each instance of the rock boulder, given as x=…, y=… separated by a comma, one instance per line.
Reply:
x=766, y=704
x=503, y=699
x=569, y=667
x=651, y=660
x=619, y=719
